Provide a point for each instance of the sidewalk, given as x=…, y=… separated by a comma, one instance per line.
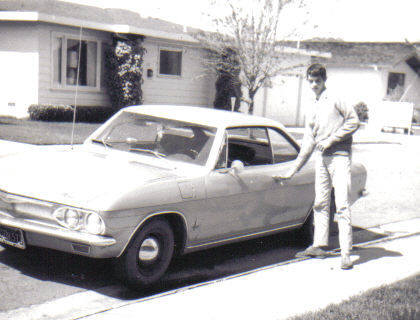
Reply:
x=270, y=293
x=281, y=291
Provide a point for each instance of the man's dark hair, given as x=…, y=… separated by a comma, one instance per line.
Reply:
x=317, y=70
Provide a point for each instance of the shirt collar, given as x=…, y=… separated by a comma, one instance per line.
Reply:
x=323, y=97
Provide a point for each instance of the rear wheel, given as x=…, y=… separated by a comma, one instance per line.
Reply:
x=148, y=255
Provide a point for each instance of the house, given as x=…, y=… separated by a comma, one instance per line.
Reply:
x=39, y=53
x=368, y=72
x=374, y=58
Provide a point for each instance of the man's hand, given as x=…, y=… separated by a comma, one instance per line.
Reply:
x=287, y=176
x=324, y=145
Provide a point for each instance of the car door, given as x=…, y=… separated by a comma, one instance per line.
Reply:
x=291, y=200
x=248, y=200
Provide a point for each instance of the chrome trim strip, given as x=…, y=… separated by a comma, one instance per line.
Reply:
x=244, y=236
x=61, y=233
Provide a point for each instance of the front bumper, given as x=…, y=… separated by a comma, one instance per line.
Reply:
x=58, y=238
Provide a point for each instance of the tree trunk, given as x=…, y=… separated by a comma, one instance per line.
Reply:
x=251, y=101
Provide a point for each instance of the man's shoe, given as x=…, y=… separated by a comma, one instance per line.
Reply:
x=346, y=262
x=313, y=252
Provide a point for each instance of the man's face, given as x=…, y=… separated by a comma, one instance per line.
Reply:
x=317, y=84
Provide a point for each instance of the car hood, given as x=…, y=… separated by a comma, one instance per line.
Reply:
x=75, y=177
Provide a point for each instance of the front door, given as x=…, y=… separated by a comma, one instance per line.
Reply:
x=249, y=200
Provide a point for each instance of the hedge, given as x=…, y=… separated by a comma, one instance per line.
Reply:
x=64, y=113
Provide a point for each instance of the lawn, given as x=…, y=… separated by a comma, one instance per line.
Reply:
x=43, y=132
x=399, y=301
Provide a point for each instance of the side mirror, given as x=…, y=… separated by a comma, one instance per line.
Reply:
x=237, y=166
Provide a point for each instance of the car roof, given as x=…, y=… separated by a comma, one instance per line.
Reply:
x=204, y=116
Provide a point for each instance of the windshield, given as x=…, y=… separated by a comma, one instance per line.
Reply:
x=158, y=137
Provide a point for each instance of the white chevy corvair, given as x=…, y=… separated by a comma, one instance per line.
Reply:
x=155, y=181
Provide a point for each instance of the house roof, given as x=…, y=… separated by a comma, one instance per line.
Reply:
x=363, y=54
x=111, y=20
x=108, y=19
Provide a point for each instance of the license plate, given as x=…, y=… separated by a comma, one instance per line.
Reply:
x=12, y=237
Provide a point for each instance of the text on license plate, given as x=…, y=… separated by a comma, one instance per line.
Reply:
x=12, y=237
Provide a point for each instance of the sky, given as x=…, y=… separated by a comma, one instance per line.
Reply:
x=351, y=20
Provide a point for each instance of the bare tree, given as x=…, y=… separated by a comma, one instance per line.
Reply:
x=247, y=46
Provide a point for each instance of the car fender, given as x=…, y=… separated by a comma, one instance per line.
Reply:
x=177, y=221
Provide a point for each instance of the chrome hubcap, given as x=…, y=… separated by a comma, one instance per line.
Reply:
x=149, y=250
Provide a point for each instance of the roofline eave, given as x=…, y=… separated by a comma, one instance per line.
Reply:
x=33, y=16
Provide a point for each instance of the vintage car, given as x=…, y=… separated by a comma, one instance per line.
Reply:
x=156, y=181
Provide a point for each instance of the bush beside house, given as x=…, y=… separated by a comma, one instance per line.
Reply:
x=362, y=111
x=65, y=113
x=123, y=77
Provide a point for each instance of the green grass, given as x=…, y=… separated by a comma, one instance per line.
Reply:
x=399, y=301
x=43, y=132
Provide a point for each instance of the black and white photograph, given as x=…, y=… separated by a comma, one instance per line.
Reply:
x=209, y=159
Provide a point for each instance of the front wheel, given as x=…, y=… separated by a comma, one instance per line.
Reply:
x=148, y=255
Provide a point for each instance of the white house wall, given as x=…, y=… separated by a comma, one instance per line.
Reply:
x=369, y=85
x=194, y=87
x=48, y=94
x=19, y=67
x=356, y=84
x=281, y=101
x=412, y=83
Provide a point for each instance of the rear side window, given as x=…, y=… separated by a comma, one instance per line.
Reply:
x=283, y=150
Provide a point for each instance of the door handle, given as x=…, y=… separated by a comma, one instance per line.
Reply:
x=279, y=179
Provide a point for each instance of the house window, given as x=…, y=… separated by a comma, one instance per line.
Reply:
x=71, y=55
x=395, y=87
x=170, y=62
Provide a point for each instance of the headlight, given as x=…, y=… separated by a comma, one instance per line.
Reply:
x=94, y=223
x=78, y=219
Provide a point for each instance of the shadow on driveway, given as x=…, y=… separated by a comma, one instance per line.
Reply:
x=83, y=273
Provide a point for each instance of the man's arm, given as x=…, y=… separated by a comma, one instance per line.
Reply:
x=308, y=145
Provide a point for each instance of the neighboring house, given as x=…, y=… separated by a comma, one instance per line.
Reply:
x=39, y=52
x=375, y=72
x=369, y=72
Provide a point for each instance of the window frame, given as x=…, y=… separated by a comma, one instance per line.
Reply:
x=390, y=91
x=287, y=138
x=99, y=61
x=171, y=49
x=226, y=140
x=284, y=134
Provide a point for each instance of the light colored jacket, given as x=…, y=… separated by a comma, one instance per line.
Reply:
x=329, y=119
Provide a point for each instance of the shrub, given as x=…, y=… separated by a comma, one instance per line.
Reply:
x=362, y=111
x=123, y=77
x=96, y=114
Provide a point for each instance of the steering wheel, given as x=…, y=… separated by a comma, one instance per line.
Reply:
x=194, y=153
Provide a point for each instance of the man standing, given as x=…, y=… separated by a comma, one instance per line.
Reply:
x=329, y=128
